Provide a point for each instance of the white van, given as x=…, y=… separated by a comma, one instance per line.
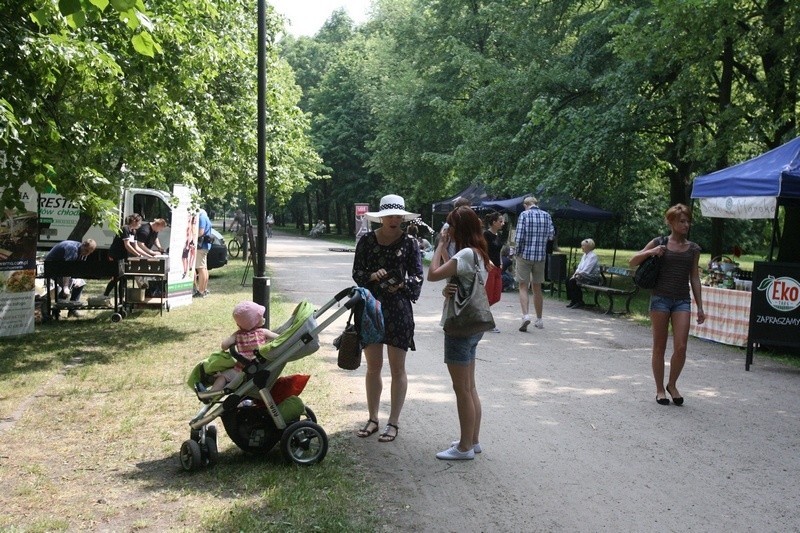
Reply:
x=60, y=219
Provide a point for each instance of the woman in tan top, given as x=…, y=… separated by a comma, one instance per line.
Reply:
x=670, y=300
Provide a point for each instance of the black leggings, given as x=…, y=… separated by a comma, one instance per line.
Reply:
x=110, y=286
x=574, y=292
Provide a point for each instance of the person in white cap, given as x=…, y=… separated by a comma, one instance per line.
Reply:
x=388, y=263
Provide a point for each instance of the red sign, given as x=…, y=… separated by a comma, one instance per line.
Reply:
x=362, y=224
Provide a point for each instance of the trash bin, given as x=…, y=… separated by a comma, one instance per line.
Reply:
x=556, y=271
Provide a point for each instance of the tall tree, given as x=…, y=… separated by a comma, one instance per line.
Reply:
x=94, y=111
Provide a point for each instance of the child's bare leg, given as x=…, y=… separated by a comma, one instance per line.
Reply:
x=219, y=383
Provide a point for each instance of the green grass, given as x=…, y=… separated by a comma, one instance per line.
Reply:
x=108, y=408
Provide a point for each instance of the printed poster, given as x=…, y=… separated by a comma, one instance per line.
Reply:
x=182, y=248
x=362, y=224
x=18, y=234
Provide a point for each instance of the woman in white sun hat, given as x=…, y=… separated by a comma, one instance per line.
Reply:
x=388, y=263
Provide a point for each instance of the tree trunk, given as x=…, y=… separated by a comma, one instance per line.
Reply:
x=789, y=242
x=310, y=212
x=717, y=236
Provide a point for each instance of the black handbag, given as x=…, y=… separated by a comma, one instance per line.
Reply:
x=468, y=312
x=646, y=275
x=349, y=346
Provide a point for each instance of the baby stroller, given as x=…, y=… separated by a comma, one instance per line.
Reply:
x=249, y=413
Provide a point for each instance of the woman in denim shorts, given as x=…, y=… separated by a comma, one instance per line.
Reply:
x=670, y=301
x=459, y=353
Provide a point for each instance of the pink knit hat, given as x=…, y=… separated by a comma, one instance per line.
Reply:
x=248, y=315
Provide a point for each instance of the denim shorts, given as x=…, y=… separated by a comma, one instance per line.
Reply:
x=670, y=305
x=460, y=350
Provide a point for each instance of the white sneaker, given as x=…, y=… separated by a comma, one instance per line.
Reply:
x=538, y=324
x=475, y=447
x=526, y=320
x=454, y=454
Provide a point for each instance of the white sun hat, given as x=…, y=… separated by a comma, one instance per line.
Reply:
x=392, y=205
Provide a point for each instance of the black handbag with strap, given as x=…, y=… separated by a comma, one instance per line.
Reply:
x=349, y=346
x=646, y=276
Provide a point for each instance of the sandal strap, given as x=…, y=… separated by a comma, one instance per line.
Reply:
x=370, y=421
x=388, y=424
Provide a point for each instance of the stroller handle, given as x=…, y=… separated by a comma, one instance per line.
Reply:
x=354, y=297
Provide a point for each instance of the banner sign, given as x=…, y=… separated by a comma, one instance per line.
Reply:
x=18, y=234
x=742, y=207
x=362, y=224
x=182, y=248
x=774, y=307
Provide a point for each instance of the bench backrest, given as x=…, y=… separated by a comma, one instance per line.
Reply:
x=617, y=271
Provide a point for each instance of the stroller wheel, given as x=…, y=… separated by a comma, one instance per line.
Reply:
x=310, y=414
x=190, y=456
x=304, y=443
x=212, y=452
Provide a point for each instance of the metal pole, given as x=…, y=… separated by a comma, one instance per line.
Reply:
x=260, y=282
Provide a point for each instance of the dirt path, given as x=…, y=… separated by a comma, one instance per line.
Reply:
x=573, y=439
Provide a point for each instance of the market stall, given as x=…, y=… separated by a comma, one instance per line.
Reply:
x=727, y=316
x=757, y=188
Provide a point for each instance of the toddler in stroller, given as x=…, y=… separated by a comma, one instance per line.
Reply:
x=249, y=316
x=260, y=409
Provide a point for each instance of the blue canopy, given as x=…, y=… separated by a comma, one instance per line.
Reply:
x=750, y=189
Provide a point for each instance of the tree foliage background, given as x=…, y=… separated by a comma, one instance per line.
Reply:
x=98, y=94
x=617, y=103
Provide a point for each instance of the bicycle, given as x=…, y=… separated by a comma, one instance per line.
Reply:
x=235, y=244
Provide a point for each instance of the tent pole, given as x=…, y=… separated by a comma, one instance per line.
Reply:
x=774, y=239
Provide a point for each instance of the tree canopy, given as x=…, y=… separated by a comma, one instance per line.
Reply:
x=616, y=103
x=98, y=95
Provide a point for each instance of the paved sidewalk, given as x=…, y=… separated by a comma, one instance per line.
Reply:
x=572, y=436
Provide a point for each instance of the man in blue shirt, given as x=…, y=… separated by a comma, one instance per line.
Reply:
x=534, y=229
x=71, y=251
x=201, y=261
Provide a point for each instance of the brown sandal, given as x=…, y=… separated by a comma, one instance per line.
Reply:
x=365, y=431
x=386, y=436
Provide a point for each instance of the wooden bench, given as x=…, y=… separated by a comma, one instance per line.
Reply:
x=627, y=289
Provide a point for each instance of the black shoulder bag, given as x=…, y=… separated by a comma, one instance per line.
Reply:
x=646, y=276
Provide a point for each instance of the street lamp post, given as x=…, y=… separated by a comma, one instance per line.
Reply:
x=260, y=281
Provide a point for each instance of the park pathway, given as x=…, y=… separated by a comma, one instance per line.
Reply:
x=572, y=437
